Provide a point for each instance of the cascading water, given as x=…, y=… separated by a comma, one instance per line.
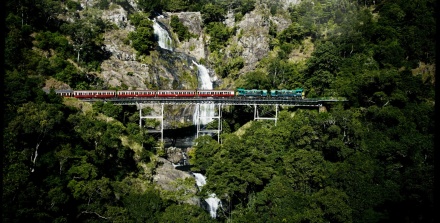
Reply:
x=206, y=111
x=205, y=83
x=164, y=40
x=213, y=202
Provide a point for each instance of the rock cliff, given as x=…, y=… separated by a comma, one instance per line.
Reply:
x=164, y=70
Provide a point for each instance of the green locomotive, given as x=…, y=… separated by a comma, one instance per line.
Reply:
x=251, y=93
x=296, y=93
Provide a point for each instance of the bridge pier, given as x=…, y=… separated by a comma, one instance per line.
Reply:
x=258, y=117
x=155, y=117
x=204, y=130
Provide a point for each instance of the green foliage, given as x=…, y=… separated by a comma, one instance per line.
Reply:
x=245, y=6
x=87, y=39
x=183, y=213
x=142, y=39
x=151, y=6
x=219, y=34
x=293, y=34
x=370, y=160
x=182, y=190
x=144, y=207
x=48, y=40
x=205, y=148
x=229, y=64
x=178, y=27
x=140, y=19
x=212, y=13
x=73, y=5
x=103, y=4
x=282, y=74
x=237, y=169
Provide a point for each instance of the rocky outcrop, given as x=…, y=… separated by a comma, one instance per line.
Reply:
x=195, y=46
x=167, y=178
x=132, y=74
x=118, y=16
x=175, y=155
x=254, y=38
x=166, y=174
x=287, y=3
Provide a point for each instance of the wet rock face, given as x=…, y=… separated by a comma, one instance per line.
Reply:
x=175, y=155
x=166, y=174
x=167, y=178
x=195, y=46
x=164, y=69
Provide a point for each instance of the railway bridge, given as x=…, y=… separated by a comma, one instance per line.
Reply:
x=217, y=103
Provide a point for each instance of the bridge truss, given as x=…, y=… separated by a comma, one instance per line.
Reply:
x=219, y=104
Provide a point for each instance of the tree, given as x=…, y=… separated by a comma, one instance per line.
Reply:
x=212, y=13
x=178, y=27
x=144, y=207
x=205, y=149
x=35, y=122
x=306, y=170
x=184, y=213
x=219, y=34
x=238, y=169
x=143, y=39
x=256, y=80
x=152, y=7
x=293, y=34
x=86, y=36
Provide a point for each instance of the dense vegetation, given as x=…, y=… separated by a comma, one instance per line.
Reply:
x=368, y=160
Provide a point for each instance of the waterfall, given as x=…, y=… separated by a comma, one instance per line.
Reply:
x=164, y=39
x=212, y=201
x=206, y=110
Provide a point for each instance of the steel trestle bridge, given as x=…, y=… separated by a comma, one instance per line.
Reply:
x=218, y=103
x=314, y=102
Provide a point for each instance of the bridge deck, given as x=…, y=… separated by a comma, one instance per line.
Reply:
x=223, y=101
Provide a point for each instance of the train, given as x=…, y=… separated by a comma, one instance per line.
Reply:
x=240, y=93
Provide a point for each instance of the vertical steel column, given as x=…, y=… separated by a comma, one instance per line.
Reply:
x=219, y=125
x=219, y=122
x=161, y=122
x=257, y=115
x=160, y=117
x=198, y=119
x=255, y=112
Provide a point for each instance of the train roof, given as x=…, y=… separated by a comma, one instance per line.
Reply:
x=297, y=89
x=95, y=90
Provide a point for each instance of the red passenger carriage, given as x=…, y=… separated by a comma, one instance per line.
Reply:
x=215, y=93
x=136, y=93
x=176, y=93
x=95, y=94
